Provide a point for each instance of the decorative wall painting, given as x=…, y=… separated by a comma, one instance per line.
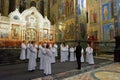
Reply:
x=82, y=30
x=106, y=12
x=15, y=31
x=3, y=33
x=31, y=34
x=45, y=34
x=51, y=36
x=117, y=7
x=40, y=35
x=108, y=32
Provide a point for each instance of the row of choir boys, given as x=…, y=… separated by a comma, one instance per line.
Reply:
x=46, y=53
x=64, y=50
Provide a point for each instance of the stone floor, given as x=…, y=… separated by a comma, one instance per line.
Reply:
x=61, y=71
x=86, y=73
x=109, y=72
x=103, y=71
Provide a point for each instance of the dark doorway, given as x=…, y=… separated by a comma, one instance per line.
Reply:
x=11, y=6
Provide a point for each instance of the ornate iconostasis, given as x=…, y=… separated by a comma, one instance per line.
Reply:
x=29, y=25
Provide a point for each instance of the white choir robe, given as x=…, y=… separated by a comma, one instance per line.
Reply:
x=45, y=44
x=50, y=45
x=72, y=55
x=47, y=66
x=67, y=53
x=89, y=55
x=63, y=54
x=42, y=58
x=82, y=55
x=40, y=50
x=75, y=54
x=36, y=48
x=28, y=51
x=32, y=59
x=23, y=52
x=53, y=54
x=56, y=52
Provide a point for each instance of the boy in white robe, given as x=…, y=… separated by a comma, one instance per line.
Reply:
x=39, y=51
x=56, y=47
x=42, y=57
x=23, y=51
x=32, y=59
x=48, y=56
x=67, y=53
x=75, y=53
x=36, y=45
x=63, y=52
x=28, y=50
x=72, y=54
x=53, y=53
x=89, y=54
x=82, y=55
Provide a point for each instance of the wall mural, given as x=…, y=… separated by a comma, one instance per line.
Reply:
x=15, y=31
x=108, y=32
x=4, y=31
x=69, y=30
x=106, y=12
x=51, y=35
x=65, y=8
x=118, y=9
x=94, y=10
x=45, y=34
x=83, y=30
x=31, y=35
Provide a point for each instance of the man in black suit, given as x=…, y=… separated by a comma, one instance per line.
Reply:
x=117, y=48
x=78, y=55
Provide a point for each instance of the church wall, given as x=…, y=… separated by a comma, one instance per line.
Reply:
x=108, y=21
x=63, y=13
x=101, y=20
x=81, y=20
x=93, y=27
x=116, y=8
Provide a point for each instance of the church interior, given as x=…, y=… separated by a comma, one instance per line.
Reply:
x=57, y=21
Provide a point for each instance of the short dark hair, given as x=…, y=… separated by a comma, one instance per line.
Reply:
x=78, y=42
x=47, y=46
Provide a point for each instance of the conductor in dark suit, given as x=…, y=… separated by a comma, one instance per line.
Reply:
x=78, y=55
x=117, y=48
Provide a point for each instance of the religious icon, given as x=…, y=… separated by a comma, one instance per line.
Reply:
x=45, y=33
x=105, y=13
x=51, y=37
x=112, y=31
x=95, y=17
x=15, y=31
x=3, y=33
